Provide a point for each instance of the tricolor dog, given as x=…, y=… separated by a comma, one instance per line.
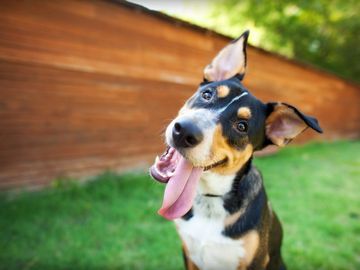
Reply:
x=214, y=194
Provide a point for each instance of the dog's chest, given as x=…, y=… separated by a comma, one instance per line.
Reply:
x=203, y=238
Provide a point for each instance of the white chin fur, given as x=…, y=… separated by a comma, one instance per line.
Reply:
x=199, y=155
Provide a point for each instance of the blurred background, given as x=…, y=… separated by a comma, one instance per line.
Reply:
x=87, y=88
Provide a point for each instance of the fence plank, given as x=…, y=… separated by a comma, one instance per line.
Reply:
x=91, y=85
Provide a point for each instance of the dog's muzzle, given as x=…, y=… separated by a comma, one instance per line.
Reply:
x=186, y=134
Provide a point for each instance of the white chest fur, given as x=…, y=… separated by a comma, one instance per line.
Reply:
x=202, y=234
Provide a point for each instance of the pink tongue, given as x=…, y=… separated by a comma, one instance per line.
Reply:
x=180, y=190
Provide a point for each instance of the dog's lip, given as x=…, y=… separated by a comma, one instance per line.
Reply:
x=162, y=170
x=206, y=167
x=216, y=164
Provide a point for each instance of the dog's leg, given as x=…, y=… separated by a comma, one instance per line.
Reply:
x=189, y=265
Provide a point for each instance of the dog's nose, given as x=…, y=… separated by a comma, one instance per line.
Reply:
x=186, y=134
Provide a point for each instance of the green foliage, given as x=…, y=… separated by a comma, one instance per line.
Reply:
x=325, y=33
x=111, y=223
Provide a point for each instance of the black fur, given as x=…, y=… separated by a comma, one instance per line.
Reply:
x=251, y=218
x=247, y=194
x=188, y=215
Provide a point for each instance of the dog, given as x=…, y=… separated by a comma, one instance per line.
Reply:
x=214, y=194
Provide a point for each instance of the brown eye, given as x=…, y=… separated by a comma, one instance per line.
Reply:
x=207, y=94
x=242, y=126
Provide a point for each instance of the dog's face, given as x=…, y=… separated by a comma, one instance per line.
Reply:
x=222, y=124
x=219, y=128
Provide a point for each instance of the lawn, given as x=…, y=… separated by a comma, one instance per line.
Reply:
x=111, y=223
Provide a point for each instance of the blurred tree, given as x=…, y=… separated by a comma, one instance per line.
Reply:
x=325, y=33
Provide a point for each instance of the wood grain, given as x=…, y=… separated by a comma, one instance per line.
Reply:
x=90, y=85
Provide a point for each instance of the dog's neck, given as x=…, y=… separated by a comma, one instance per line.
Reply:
x=218, y=185
x=215, y=185
x=233, y=193
x=245, y=188
x=236, y=190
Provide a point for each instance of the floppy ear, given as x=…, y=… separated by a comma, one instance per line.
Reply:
x=229, y=61
x=284, y=122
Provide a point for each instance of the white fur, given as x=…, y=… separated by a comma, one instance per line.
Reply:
x=213, y=183
x=220, y=111
x=200, y=155
x=208, y=248
x=202, y=234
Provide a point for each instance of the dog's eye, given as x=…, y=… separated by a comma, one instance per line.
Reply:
x=207, y=94
x=242, y=126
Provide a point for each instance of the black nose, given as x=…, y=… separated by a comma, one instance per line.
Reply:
x=186, y=134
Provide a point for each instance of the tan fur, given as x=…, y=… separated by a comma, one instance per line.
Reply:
x=222, y=91
x=251, y=244
x=266, y=261
x=236, y=158
x=244, y=113
x=231, y=219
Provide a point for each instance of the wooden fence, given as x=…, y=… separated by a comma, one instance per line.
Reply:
x=90, y=85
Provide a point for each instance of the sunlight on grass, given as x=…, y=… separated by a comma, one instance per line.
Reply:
x=112, y=223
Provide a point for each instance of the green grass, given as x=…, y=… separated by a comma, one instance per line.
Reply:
x=112, y=223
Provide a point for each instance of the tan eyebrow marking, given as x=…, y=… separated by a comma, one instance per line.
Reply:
x=222, y=91
x=244, y=113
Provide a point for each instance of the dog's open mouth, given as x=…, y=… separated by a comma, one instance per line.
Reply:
x=181, y=178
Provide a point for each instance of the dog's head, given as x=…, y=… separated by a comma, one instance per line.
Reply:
x=219, y=128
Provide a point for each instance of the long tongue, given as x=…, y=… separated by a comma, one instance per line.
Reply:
x=180, y=190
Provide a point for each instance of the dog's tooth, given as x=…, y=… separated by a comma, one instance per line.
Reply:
x=169, y=155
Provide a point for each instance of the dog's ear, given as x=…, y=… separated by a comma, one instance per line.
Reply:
x=284, y=122
x=229, y=62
